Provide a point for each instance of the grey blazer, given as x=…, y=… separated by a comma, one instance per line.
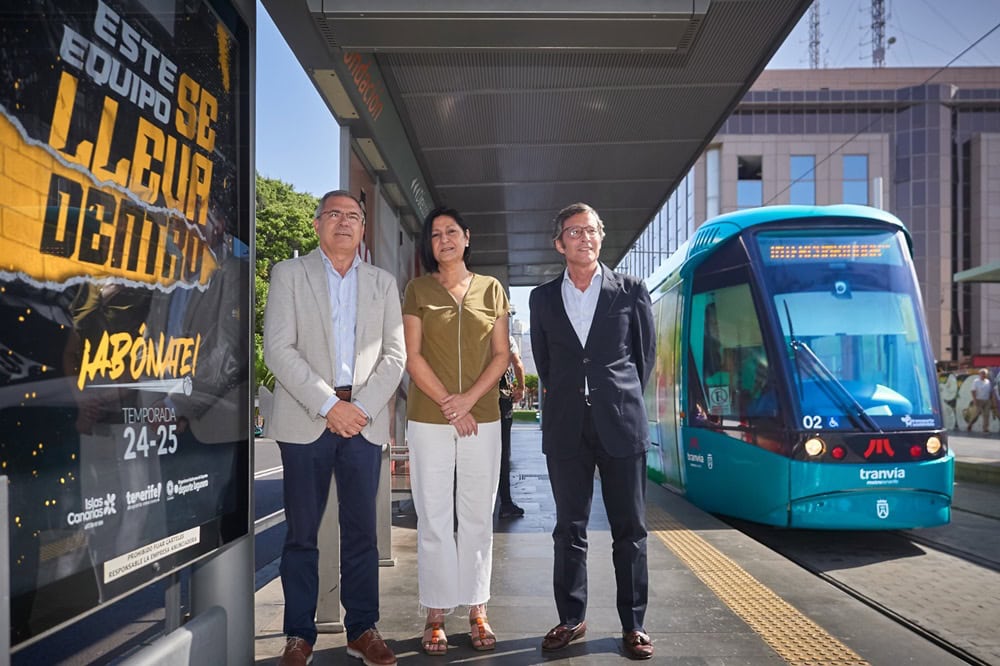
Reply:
x=298, y=348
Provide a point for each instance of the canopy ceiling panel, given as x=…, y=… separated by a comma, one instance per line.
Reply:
x=509, y=110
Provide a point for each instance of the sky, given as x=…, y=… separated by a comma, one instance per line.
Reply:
x=297, y=135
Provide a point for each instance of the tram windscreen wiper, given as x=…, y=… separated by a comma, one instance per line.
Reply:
x=828, y=381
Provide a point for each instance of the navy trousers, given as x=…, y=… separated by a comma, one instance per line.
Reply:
x=623, y=487
x=308, y=467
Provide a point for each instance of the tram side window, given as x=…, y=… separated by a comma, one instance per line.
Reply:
x=731, y=369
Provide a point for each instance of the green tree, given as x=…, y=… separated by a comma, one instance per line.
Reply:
x=284, y=226
x=531, y=388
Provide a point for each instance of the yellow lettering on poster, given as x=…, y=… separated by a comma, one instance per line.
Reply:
x=154, y=357
x=57, y=223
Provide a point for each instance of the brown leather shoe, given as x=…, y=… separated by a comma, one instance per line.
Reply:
x=371, y=648
x=638, y=644
x=562, y=635
x=297, y=652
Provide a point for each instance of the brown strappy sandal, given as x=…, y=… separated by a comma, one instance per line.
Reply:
x=435, y=641
x=483, y=638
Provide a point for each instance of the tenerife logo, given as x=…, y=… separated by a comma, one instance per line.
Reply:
x=149, y=495
x=911, y=422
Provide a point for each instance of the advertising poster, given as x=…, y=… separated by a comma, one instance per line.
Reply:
x=123, y=297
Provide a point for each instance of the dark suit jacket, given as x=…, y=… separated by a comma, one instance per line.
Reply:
x=616, y=362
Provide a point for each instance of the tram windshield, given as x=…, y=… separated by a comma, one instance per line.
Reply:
x=850, y=318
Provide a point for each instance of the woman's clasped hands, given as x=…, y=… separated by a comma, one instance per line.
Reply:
x=456, y=407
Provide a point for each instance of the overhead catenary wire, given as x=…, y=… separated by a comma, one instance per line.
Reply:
x=877, y=119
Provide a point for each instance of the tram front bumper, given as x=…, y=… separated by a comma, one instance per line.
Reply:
x=885, y=509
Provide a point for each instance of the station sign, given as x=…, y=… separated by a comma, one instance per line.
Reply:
x=124, y=292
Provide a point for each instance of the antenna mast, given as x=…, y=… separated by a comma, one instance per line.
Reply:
x=878, y=33
x=814, y=35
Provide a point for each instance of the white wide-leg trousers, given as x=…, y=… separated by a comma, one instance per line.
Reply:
x=448, y=472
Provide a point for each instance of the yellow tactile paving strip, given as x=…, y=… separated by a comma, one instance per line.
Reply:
x=797, y=639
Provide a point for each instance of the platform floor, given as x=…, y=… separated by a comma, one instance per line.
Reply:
x=716, y=596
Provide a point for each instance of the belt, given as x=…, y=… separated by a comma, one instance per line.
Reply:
x=343, y=393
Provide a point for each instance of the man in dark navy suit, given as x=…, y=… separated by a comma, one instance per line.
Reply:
x=592, y=336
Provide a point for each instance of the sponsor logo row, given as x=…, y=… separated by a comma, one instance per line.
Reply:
x=96, y=509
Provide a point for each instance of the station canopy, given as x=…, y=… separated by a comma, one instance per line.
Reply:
x=509, y=110
x=985, y=273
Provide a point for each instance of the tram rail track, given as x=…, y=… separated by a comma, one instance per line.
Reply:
x=887, y=554
x=967, y=555
x=884, y=610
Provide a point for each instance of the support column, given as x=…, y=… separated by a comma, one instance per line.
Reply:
x=329, y=619
x=383, y=504
x=4, y=573
x=227, y=581
x=344, y=149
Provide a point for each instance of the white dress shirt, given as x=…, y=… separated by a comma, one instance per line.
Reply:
x=580, y=308
x=343, y=293
x=581, y=305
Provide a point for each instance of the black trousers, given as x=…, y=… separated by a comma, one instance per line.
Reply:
x=506, y=421
x=623, y=488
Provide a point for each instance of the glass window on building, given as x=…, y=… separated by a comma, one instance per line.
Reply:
x=749, y=183
x=713, y=180
x=802, y=172
x=855, y=179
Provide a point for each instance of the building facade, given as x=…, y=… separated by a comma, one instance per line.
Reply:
x=923, y=144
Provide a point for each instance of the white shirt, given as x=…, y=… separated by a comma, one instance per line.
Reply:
x=581, y=305
x=981, y=388
x=513, y=346
x=343, y=293
x=580, y=308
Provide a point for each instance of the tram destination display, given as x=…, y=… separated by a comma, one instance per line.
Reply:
x=124, y=280
x=782, y=247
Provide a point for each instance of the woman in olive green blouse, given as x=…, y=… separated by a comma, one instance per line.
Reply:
x=456, y=330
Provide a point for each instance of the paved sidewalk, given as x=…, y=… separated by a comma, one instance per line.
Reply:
x=977, y=457
x=689, y=623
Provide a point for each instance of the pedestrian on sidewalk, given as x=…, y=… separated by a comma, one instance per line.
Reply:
x=982, y=400
x=456, y=330
x=333, y=337
x=592, y=336
x=511, y=391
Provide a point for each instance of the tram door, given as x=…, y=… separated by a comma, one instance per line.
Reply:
x=663, y=394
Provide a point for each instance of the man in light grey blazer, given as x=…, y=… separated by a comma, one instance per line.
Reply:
x=333, y=337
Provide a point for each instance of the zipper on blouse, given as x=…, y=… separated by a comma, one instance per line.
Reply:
x=460, y=304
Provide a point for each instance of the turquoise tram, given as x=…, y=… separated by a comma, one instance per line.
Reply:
x=794, y=383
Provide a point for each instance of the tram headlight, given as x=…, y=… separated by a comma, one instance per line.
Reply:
x=933, y=445
x=815, y=446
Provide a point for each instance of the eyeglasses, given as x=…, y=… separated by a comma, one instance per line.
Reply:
x=578, y=232
x=335, y=215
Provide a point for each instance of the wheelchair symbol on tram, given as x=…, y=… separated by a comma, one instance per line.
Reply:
x=718, y=399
